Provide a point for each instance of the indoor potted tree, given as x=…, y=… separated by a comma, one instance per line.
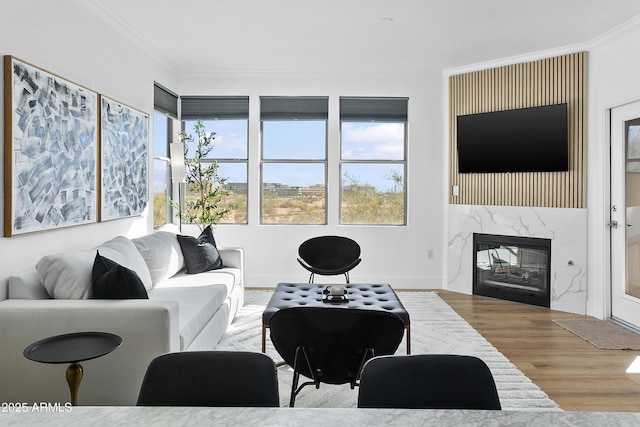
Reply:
x=204, y=186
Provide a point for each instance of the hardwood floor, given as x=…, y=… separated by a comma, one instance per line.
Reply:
x=575, y=374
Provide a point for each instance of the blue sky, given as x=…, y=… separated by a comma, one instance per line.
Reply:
x=302, y=140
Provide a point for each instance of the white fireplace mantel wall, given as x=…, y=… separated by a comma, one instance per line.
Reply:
x=565, y=227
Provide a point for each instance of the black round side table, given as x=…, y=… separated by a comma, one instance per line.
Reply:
x=73, y=348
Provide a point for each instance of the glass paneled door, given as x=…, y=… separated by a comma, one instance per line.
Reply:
x=625, y=213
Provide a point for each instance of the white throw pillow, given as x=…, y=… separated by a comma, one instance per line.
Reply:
x=124, y=252
x=161, y=251
x=67, y=275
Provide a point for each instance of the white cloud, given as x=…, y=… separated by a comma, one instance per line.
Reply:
x=373, y=141
x=374, y=132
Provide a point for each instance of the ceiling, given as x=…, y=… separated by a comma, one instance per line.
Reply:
x=355, y=35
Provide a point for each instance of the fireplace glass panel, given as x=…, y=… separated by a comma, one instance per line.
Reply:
x=512, y=269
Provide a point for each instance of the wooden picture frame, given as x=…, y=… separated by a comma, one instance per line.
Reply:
x=124, y=160
x=51, y=147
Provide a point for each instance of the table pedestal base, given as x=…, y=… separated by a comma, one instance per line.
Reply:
x=74, y=376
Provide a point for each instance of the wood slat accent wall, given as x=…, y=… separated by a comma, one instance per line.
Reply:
x=545, y=82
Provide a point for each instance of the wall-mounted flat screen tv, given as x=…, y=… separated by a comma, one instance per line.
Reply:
x=523, y=140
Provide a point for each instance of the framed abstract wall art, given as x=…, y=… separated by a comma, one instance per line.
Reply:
x=124, y=134
x=51, y=146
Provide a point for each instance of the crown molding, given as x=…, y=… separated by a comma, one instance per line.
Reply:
x=517, y=59
x=100, y=7
x=616, y=32
x=116, y=22
x=600, y=40
x=302, y=73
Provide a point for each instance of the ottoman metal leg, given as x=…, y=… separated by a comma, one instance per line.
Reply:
x=264, y=338
x=407, y=329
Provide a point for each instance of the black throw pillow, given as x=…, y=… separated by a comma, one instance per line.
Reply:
x=200, y=254
x=111, y=280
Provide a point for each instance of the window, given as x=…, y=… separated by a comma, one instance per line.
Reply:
x=373, y=160
x=165, y=107
x=161, y=171
x=228, y=117
x=294, y=160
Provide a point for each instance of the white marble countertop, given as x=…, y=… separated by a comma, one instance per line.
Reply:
x=187, y=416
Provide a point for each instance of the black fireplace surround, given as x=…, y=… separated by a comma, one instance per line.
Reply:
x=512, y=268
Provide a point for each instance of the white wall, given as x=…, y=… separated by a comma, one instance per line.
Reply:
x=614, y=80
x=72, y=39
x=396, y=255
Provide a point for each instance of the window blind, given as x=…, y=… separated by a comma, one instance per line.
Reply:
x=165, y=101
x=294, y=107
x=373, y=109
x=214, y=107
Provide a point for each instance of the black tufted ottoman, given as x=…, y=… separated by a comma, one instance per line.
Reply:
x=379, y=296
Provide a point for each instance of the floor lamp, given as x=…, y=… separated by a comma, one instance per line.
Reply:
x=178, y=173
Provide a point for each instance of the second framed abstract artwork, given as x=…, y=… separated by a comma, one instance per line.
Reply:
x=124, y=136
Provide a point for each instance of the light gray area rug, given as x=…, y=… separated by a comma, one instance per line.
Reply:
x=602, y=333
x=435, y=328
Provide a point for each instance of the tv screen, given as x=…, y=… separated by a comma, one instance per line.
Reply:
x=523, y=140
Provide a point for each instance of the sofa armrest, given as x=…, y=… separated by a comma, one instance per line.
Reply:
x=148, y=328
x=27, y=285
x=232, y=257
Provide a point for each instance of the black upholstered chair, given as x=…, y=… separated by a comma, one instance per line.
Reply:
x=427, y=381
x=210, y=378
x=331, y=344
x=329, y=256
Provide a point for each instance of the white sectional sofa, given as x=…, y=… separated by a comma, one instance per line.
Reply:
x=184, y=312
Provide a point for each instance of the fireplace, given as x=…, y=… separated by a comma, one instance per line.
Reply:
x=513, y=268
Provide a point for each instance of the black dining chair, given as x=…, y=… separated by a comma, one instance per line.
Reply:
x=331, y=344
x=329, y=256
x=427, y=381
x=210, y=378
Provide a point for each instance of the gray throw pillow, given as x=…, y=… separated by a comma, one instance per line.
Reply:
x=200, y=254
